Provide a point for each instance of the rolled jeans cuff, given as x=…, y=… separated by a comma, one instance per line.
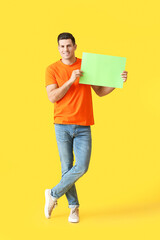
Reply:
x=72, y=206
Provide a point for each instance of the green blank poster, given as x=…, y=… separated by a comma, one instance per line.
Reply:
x=102, y=70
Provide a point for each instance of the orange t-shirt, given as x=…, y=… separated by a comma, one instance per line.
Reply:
x=76, y=105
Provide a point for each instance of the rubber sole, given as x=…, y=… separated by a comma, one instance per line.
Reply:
x=72, y=220
x=46, y=204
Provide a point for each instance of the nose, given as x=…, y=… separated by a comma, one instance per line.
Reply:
x=65, y=48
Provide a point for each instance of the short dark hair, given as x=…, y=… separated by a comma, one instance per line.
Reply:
x=66, y=35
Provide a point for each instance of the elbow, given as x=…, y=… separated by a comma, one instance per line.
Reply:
x=100, y=94
x=52, y=99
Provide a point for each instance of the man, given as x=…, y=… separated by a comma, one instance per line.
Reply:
x=73, y=116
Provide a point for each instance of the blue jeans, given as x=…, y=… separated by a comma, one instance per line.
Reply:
x=77, y=138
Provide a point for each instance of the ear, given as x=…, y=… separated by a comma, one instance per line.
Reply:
x=58, y=47
x=75, y=46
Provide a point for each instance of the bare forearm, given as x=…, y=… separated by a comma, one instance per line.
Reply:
x=105, y=90
x=59, y=93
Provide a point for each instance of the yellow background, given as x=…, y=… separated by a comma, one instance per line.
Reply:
x=120, y=193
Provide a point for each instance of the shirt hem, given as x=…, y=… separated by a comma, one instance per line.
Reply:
x=75, y=123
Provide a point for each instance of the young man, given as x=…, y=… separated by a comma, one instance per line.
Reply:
x=73, y=116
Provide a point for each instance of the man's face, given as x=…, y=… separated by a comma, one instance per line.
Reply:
x=66, y=48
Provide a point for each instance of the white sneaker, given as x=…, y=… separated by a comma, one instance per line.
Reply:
x=74, y=215
x=50, y=203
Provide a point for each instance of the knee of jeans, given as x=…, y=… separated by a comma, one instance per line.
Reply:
x=84, y=170
x=66, y=169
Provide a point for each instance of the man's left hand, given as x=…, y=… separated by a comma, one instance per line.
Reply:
x=124, y=76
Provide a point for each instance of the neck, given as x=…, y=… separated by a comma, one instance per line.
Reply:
x=69, y=61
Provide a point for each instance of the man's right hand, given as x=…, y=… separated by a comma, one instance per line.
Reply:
x=55, y=93
x=75, y=74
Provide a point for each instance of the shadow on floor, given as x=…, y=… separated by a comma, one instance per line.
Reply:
x=125, y=211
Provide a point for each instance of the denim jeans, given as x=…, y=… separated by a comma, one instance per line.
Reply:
x=77, y=138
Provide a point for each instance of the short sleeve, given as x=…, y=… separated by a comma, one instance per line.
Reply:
x=50, y=76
